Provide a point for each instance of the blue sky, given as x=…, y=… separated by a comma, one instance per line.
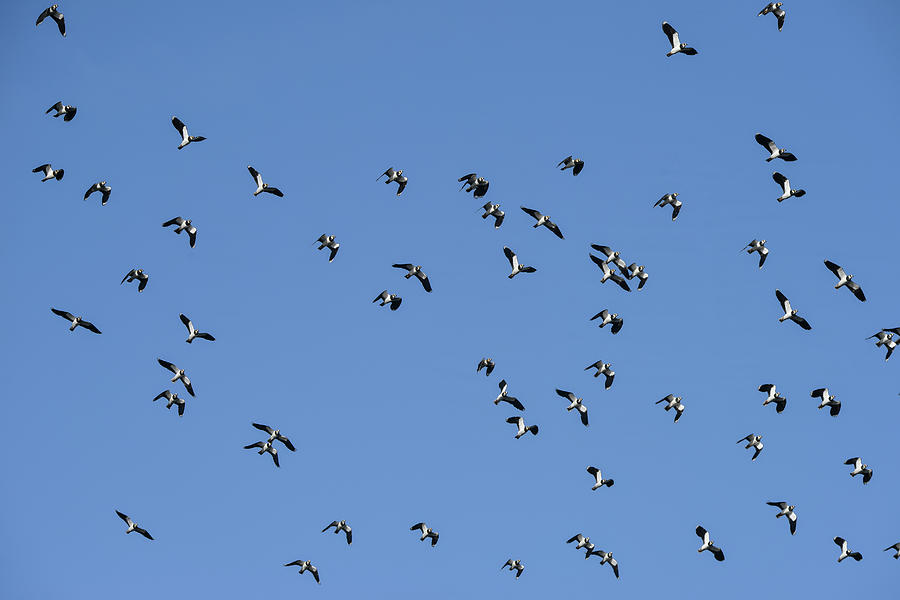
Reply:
x=391, y=422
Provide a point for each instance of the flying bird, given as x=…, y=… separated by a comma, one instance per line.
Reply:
x=427, y=532
x=753, y=441
x=417, y=271
x=670, y=199
x=305, y=565
x=598, y=476
x=895, y=548
x=486, y=363
x=775, y=9
x=790, y=313
x=261, y=186
x=845, y=552
x=582, y=543
x=504, y=397
x=493, y=210
x=514, y=565
x=263, y=448
x=607, y=318
x=193, y=333
x=172, y=399
x=519, y=422
x=132, y=526
x=827, y=400
x=514, y=263
x=603, y=369
x=786, y=510
x=76, y=321
x=340, y=526
x=66, y=111
x=786, y=190
x=636, y=270
x=607, y=558
x=575, y=403
x=179, y=375
x=49, y=172
x=760, y=247
x=393, y=299
x=673, y=401
x=774, y=151
x=608, y=273
x=101, y=187
x=185, y=138
x=183, y=225
x=327, y=241
x=54, y=14
x=397, y=176
x=677, y=44
x=845, y=280
x=473, y=183
x=543, y=220
x=275, y=434
x=612, y=257
x=138, y=274
x=859, y=469
x=569, y=162
x=773, y=396
x=708, y=544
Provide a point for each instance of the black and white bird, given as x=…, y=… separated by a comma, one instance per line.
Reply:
x=275, y=434
x=65, y=111
x=193, y=333
x=895, y=548
x=570, y=162
x=825, y=399
x=49, y=172
x=493, y=210
x=582, y=543
x=417, y=271
x=859, y=469
x=427, y=532
x=393, y=299
x=775, y=9
x=753, y=441
x=603, y=369
x=132, y=526
x=607, y=318
x=263, y=448
x=139, y=275
x=172, y=399
x=670, y=199
x=514, y=565
x=608, y=273
x=845, y=280
x=708, y=544
x=673, y=402
x=101, y=187
x=76, y=321
x=305, y=565
x=612, y=256
x=262, y=186
x=543, y=220
x=677, y=44
x=327, y=241
x=179, y=375
x=486, y=363
x=760, y=247
x=473, y=183
x=607, y=558
x=504, y=397
x=786, y=190
x=514, y=263
x=183, y=225
x=397, y=176
x=182, y=129
x=519, y=422
x=790, y=313
x=845, y=551
x=598, y=477
x=636, y=270
x=884, y=335
x=786, y=510
x=54, y=14
x=575, y=403
x=773, y=396
x=340, y=526
x=774, y=151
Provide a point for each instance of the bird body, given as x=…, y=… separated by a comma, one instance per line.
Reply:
x=607, y=318
x=183, y=130
x=603, y=369
x=670, y=199
x=608, y=273
x=677, y=45
x=487, y=364
x=786, y=510
x=393, y=299
x=786, y=190
x=575, y=403
x=179, y=375
x=473, y=183
x=598, y=477
x=845, y=551
x=427, y=532
x=514, y=565
x=182, y=224
x=305, y=566
x=543, y=220
x=504, y=397
x=493, y=210
x=49, y=172
x=327, y=241
x=673, y=402
x=570, y=162
x=760, y=247
x=101, y=187
x=263, y=448
x=53, y=13
x=395, y=176
x=172, y=400
x=825, y=399
x=340, y=526
x=514, y=263
x=774, y=150
x=139, y=275
x=845, y=280
x=415, y=270
x=753, y=441
x=773, y=396
x=708, y=544
x=775, y=9
x=261, y=186
x=65, y=111
x=193, y=333
x=132, y=526
x=790, y=313
x=519, y=422
x=859, y=469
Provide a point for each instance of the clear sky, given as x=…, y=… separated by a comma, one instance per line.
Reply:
x=392, y=424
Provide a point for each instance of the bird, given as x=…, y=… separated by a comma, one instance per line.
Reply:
x=845, y=552
x=417, y=271
x=845, y=280
x=859, y=469
x=101, y=187
x=514, y=565
x=514, y=263
x=608, y=273
x=576, y=403
x=607, y=557
x=340, y=526
x=49, y=172
x=636, y=270
x=753, y=441
x=473, y=183
x=504, y=397
x=607, y=318
x=786, y=191
x=826, y=400
x=138, y=274
x=172, y=399
x=582, y=543
x=493, y=210
x=192, y=332
x=774, y=151
x=76, y=321
x=773, y=396
x=677, y=44
x=393, y=299
x=895, y=548
x=612, y=257
x=603, y=369
x=890, y=344
x=183, y=225
x=179, y=375
x=600, y=482
x=327, y=241
x=673, y=200
x=265, y=447
x=708, y=544
x=54, y=14
x=185, y=138
x=262, y=187
x=520, y=423
x=543, y=220
x=397, y=176
x=883, y=336
x=132, y=526
x=775, y=9
x=305, y=565
x=786, y=510
x=427, y=532
x=760, y=247
x=790, y=313
x=486, y=363
x=275, y=434
x=569, y=162
x=66, y=111
x=673, y=401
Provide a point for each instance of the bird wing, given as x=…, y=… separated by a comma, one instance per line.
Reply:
x=187, y=323
x=125, y=518
x=671, y=34
x=43, y=16
x=175, y=221
x=594, y=471
x=781, y=505
x=579, y=165
x=515, y=420
x=255, y=175
x=567, y=395
x=819, y=393
x=668, y=398
x=597, y=261
x=855, y=461
x=621, y=281
x=406, y=266
x=535, y=214
x=767, y=387
x=554, y=228
x=841, y=542
x=63, y=314
x=254, y=445
x=287, y=443
x=857, y=291
x=836, y=269
x=89, y=326
x=418, y=526
x=582, y=409
x=468, y=177
x=801, y=322
x=179, y=126
x=702, y=533
x=329, y=526
x=265, y=428
x=167, y=365
x=603, y=313
x=296, y=563
x=564, y=161
x=578, y=537
x=61, y=23
x=783, y=181
x=43, y=167
x=785, y=303
x=144, y=532
x=511, y=257
x=766, y=143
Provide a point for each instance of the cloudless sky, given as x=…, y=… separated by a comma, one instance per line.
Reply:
x=392, y=424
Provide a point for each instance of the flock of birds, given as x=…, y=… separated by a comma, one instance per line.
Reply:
x=611, y=262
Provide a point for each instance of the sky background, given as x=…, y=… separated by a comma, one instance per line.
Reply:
x=392, y=424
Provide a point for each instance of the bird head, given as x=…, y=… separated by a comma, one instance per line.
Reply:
x=849, y=277
x=777, y=4
x=54, y=7
x=614, y=315
x=683, y=45
x=761, y=242
x=793, y=312
x=400, y=172
x=140, y=271
x=187, y=222
x=676, y=193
